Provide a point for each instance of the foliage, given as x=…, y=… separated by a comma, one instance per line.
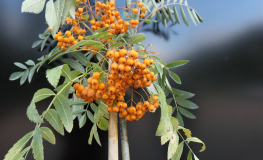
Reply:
x=91, y=55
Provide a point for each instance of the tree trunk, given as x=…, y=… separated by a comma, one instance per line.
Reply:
x=124, y=139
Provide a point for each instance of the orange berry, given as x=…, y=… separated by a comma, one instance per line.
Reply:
x=140, y=5
x=143, y=9
x=92, y=22
x=60, y=39
x=96, y=75
x=94, y=82
x=135, y=11
x=115, y=109
x=75, y=86
x=80, y=10
x=136, y=21
x=109, y=109
x=60, y=44
x=112, y=4
x=102, y=86
x=155, y=98
x=80, y=38
x=151, y=61
x=112, y=26
x=133, y=26
x=128, y=117
x=151, y=107
x=60, y=33
x=81, y=88
x=91, y=93
x=78, y=94
x=156, y=104
x=56, y=36
x=49, y=29
x=109, y=54
x=142, y=15
x=146, y=62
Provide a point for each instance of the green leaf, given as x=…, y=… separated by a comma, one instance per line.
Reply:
x=82, y=121
x=76, y=112
x=165, y=14
x=159, y=68
x=33, y=6
x=183, y=16
x=186, y=113
x=30, y=62
x=18, y=146
x=103, y=123
x=36, y=43
x=178, y=152
x=163, y=78
x=66, y=71
x=187, y=132
x=59, y=6
x=176, y=15
x=173, y=145
x=166, y=90
x=72, y=10
x=189, y=156
x=174, y=122
x=37, y=144
x=118, y=44
x=177, y=64
x=168, y=135
x=182, y=94
x=32, y=113
x=170, y=15
x=154, y=3
x=107, y=36
x=90, y=116
x=43, y=43
x=180, y=119
x=149, y=21
x=74, y=64
x=169, y=100
x=80, y=102
x=81, y=58
x=93, y=107
x=195, y=157
x=164, y=20
x=20, y=65
x=189, y=13
x=94, y=128
x=137, y=38
x=85, y=17
x=100, y=34
x=199, y=17
x=24, y=77
x=21, y=154
x=62, y=106
x=15, y=75
x=42, y=94
x=194, y=139
x=186, y=103
x=31, y=72
x=50, y=14
x=175, y=77
x=77, y=106
x=48, y=135
x=113, y=40
x=52, y=117
x=164, y=124
x=53, y=75
x=90, y=136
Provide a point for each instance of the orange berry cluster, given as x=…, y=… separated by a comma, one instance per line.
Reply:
x=134, y=113
x=112, y=19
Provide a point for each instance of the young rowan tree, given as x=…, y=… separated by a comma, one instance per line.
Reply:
x=109, y=61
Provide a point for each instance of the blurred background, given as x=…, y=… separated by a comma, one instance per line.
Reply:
x=225, y=72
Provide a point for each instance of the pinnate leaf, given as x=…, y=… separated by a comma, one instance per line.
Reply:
x=43, y=94
x=52, y=117
x=32, y=113
x=177, y=64
x=194, y=139
x=48, y=135
x=18, y=146
x=64, y=111
x=15, y=75
x=37, y=144
x=137, y=38
x=53, y=75
x=175, y=77
x=33, y=6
